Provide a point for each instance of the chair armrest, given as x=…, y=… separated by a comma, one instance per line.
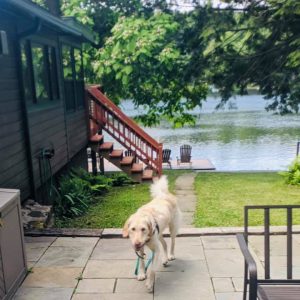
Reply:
x=251, y=266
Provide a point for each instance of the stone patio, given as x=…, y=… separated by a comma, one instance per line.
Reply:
x=206, y=268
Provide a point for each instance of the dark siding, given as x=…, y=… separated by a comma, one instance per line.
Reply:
x=48, y=126
x=47, y=129
x=77, y=131
x=14, y=171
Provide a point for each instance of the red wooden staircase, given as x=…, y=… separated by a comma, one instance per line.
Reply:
x=105, y=115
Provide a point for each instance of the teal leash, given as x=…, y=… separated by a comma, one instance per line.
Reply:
x=136, y=272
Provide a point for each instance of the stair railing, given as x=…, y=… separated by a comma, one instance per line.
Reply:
x=104, y=114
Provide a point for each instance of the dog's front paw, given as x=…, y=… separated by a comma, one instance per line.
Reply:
x=171, y=257
x=165, y=262
x=149, y=286
x=141, y=277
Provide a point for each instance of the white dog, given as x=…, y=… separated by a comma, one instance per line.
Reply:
x=147, y=225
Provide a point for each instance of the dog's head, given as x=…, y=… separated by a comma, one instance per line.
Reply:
x=139, y=228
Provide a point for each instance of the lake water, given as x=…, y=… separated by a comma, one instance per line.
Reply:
x=242, y=136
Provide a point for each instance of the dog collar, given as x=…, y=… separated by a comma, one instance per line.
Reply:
x=156, y=227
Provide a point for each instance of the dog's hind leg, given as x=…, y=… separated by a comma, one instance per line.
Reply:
x=173, y=233
x=174, y=227
x=141, y=275
x=165, y=259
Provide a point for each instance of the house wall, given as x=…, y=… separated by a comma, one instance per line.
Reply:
x=53, y=127
x=48, y=126
x=14, y=167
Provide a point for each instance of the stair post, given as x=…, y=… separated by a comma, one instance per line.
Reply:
x=101, y=159
x=94, y=162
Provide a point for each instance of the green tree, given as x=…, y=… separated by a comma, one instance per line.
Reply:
x=143, y=61
x=257, y=45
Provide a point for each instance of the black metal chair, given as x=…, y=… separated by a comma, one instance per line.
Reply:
x=166, y=156
x=267, y=288
x=185, y=155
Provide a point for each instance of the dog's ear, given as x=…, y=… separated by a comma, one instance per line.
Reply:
x=126, y=228
x=151, y=225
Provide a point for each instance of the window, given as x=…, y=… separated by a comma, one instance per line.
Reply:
x=68, y=78
x=73, y=77
x=79, y=80
x=53, y=73
x=27, y=71
x=40, y=75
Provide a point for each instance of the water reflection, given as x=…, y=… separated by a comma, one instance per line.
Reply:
x=246, y=138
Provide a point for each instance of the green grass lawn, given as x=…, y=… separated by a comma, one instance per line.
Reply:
x=112, y=210
x=222, y=196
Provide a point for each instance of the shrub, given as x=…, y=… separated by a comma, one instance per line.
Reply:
x=98, y=184
x=78, y=189
x=73, y=197
x=120, y=179
x=292, y=176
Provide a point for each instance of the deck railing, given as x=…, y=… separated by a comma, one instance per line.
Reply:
x=104, y=114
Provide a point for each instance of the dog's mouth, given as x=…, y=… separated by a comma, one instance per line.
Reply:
x=138, y=248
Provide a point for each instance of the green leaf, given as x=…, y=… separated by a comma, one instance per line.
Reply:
x=128, y=69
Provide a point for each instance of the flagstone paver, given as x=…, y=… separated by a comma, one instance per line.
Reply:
x=126, y=286
x=132, y=296
x=25, y=293
x=53, y=277
x=238, y=283
x=229, y=296
x=223, y=285
x=113, y=249
x=184, y=190
x=221, y=242
x=65, y=257
x=206, y=268
x=94, y=286
x=109, y=268
x=225, y=262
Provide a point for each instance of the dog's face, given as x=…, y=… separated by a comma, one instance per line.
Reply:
x=139, y=229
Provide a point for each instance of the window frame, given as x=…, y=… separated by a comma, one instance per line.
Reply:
x=78, y=105
x=27, y=45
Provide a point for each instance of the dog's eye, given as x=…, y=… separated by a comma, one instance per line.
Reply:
x=133, y=228
x=143, y=229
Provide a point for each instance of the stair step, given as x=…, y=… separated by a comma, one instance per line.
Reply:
x=96, y=138
x=116, y=154
x=107, y=146
x=127, y=160
x=137, y=168
x=147, y=175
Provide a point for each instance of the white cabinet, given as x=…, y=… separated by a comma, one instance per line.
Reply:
x=13, y=265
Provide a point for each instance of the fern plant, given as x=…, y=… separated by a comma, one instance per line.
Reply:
x=292, y=176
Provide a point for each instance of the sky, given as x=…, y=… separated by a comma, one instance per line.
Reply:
x=186, y=5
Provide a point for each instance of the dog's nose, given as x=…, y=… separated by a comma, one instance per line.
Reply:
x=137, y=245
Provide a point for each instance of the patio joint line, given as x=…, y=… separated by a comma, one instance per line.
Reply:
x=81, y=273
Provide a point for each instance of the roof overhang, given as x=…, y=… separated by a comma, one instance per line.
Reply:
x=66, y=26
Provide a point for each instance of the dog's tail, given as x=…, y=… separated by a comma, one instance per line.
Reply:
x=159, y=188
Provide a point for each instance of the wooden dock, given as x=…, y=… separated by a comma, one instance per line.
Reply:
x=197, y=164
